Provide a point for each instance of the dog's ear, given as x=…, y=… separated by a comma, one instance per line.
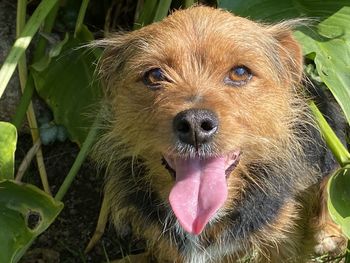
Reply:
x=289, y=49
x=118, y=49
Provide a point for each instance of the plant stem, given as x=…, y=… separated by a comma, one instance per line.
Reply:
x=101, y=224
x=27, y=160
x=347, y=254
x=22, y=43
x=39, y=52
x=22, y=69
x=331, y=139
x=90, y=138
x=22, y=107
x=25, y=102
x=81, y=16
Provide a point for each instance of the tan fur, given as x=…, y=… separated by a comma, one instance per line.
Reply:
x=196, y=48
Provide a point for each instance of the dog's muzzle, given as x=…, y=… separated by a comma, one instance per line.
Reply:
x=196, y=126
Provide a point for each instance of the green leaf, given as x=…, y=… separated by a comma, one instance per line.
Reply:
x=8, y=140
x=274, y=10
x=25, y=212
x=56, y=50
x=329, y=39
x=152, y=11
x=69, y=86
x=147, y=14
x=162, y=10
x=23, y=42
x=188, y=3
x=332, y=58
x=339, y=199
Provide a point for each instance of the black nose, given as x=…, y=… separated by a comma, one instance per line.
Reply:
x=195, y=126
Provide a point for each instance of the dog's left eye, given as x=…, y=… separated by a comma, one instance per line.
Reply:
x=153, y=78
x=238, y=76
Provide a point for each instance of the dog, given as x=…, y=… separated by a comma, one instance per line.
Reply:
x=210, y=150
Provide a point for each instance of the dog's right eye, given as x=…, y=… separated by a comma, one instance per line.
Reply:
x=153, y=78
x=238, y=76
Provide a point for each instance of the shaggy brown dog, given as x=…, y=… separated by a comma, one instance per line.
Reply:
x=210, y=150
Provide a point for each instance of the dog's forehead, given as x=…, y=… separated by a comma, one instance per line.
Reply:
x=201, y=19
x=206, y=33
x=202, y=24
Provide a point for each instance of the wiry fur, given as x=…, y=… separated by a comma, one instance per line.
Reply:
x=271, y=192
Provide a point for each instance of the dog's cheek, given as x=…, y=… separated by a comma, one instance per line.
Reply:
x=139, y=121
x=258, y=110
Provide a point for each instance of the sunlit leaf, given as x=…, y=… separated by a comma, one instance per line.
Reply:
x=8, y=140
x=25, y=212
x=339, y=199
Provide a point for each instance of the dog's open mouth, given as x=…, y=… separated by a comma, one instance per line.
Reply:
x=200, y=188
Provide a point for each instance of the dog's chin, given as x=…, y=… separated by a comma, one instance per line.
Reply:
x=200, y=187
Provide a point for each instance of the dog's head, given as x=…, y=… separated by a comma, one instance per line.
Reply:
x=201, y=90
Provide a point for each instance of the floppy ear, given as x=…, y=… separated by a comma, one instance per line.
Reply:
x=292, y=56
x=289, y=49
x=118, y=49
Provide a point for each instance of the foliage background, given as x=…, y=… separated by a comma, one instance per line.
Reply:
x=61, y=71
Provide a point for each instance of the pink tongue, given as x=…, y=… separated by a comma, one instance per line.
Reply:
x=199, y=191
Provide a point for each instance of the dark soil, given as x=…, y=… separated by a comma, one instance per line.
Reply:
x=65, y=240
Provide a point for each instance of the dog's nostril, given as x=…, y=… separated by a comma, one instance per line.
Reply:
x=183, y=127
x=208, y=126
x=195, y=126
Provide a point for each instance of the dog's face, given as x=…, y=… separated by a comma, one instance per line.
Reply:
x=204, y=92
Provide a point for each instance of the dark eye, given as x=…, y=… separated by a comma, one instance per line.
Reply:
x=153, y=78
x=238, y=76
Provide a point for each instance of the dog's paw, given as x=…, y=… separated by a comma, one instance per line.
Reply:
x=330, y=240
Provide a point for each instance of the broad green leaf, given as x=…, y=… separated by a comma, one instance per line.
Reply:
x=69, y=86
x=25, y=212
x=44, y=62
x=339, y=199
x=332, y=51
x=328, y=40
x=8, y=140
